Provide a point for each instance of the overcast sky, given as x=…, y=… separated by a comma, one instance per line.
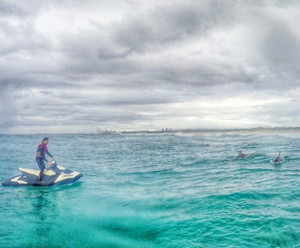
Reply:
x=72, y=66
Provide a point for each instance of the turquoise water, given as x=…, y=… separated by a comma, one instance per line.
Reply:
x=155, y=191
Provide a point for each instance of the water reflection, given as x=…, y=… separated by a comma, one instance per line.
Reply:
x=42, y=202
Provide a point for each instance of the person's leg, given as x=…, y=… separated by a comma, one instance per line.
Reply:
x=41, y=165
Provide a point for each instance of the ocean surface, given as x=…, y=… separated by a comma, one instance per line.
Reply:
x=183, y=190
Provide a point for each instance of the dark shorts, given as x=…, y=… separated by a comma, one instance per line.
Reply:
x=40, y=163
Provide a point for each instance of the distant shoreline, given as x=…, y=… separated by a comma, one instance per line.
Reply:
x=229, y=131
x=257, y=130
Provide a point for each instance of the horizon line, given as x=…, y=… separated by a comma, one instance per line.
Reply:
x=168, y=130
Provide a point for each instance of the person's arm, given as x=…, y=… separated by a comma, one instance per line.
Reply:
x=50, y=155
x=48, y=163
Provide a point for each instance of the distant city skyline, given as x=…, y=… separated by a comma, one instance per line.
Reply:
x=71, y=67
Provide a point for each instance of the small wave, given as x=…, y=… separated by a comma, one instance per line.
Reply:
x=254, y=196
x=254, y=170
x=149, y=172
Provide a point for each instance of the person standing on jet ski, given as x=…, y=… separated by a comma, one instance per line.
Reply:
x=41, y=156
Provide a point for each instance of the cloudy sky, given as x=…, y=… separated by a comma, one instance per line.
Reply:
x=72, y=66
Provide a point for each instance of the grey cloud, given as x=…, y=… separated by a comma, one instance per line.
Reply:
x=282, y=49
x=7, y=8
x=171, y=23
x=140, y=34
x=143, y=34
x=279, y=114
x=118, y=71
x=104, y=54
x=7, y=112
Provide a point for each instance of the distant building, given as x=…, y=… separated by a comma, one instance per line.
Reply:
x=163, y=130
x=106, y=132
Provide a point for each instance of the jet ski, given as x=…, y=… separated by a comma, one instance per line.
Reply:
x=53, y=175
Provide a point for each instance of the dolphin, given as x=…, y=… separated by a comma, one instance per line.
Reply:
x=243, y=155
x=279, y=158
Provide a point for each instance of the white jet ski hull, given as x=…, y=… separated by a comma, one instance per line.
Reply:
x=58, y=175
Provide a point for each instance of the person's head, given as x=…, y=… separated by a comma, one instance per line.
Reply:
x=45, y=141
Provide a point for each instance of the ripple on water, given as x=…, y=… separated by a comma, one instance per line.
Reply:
x=155, y=191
